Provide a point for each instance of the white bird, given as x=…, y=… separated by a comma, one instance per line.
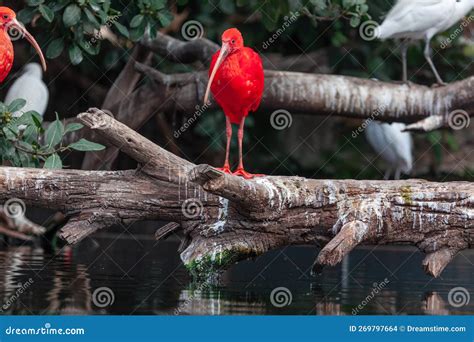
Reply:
x=30, y=87
x=393, y=145
x=411, y=20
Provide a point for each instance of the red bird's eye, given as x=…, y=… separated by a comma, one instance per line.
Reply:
x=5, y=16
x=233, y=41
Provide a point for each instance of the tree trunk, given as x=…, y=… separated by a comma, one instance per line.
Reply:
x=226, y=218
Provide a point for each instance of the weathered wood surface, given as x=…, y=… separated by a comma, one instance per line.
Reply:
x=226, y=218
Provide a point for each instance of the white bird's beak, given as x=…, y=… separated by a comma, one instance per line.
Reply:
x=225, y=49
x=19, y=26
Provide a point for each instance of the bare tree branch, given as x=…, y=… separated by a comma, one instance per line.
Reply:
x=201, y=50
x=331, y=95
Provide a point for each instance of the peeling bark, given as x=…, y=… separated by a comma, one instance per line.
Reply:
x=225, y=218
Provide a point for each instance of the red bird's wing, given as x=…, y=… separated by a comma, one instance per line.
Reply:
x=6, y=56
x=238, y=85
x=252, y=72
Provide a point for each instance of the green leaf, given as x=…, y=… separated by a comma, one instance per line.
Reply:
x=55, y=48
x=37, y=121
x=122, y=29
x=47, y=13
x=137, y=20
x=53, y=162
x=27, y=119
x=165, y=18
x=86, y=145
x=16, y=105
x=71, y=15
x=73, y=127
x=90, y=16
x=35, y=2
x=75, y=54
x=54, y=133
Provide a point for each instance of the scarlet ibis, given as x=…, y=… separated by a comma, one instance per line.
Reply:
x=422, y=19
x=9, y=22
x=30, y=87
x=393, y=145
x=236, y=80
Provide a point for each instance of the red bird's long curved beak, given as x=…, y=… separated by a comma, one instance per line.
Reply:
x=222, y=55
x=17, y=25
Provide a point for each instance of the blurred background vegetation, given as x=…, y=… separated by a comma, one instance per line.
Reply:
x=83, y=65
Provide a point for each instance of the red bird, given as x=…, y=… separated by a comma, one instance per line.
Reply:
x=236, y=81
x=9, y=23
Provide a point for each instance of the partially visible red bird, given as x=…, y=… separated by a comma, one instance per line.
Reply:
x=236, y=81
x=9, y=22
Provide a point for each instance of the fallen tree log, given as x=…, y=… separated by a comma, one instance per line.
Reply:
x=226, y=218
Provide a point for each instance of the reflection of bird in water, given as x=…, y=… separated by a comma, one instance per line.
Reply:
x=393, y=145
x=206, y=301
x=434, y=304
x=68, y=297
x=15, y=275
x=30, y=87
x=422, y=20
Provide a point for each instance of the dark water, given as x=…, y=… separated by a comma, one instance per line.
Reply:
x=145, y=277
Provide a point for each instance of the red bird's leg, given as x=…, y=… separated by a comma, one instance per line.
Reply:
x=228, y=132
x=240, y=169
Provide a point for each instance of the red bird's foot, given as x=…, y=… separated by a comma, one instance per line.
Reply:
x=242, y=173
x=225, y=169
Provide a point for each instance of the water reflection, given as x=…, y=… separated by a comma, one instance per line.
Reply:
x=148, y=278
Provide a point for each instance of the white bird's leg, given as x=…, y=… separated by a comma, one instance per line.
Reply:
x=404, y=49
x=430, y=61
x=398, y=172
x=387, y=174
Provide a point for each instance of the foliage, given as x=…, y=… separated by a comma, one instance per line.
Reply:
x=68, y=29
x=25, y=143
x=75, y=24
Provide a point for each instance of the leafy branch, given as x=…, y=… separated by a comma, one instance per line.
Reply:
x=77, y=25
x=25, y=143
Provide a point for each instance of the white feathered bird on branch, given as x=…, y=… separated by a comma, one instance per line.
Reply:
x=30, y=87
x=421, y=20
x=393, y=145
